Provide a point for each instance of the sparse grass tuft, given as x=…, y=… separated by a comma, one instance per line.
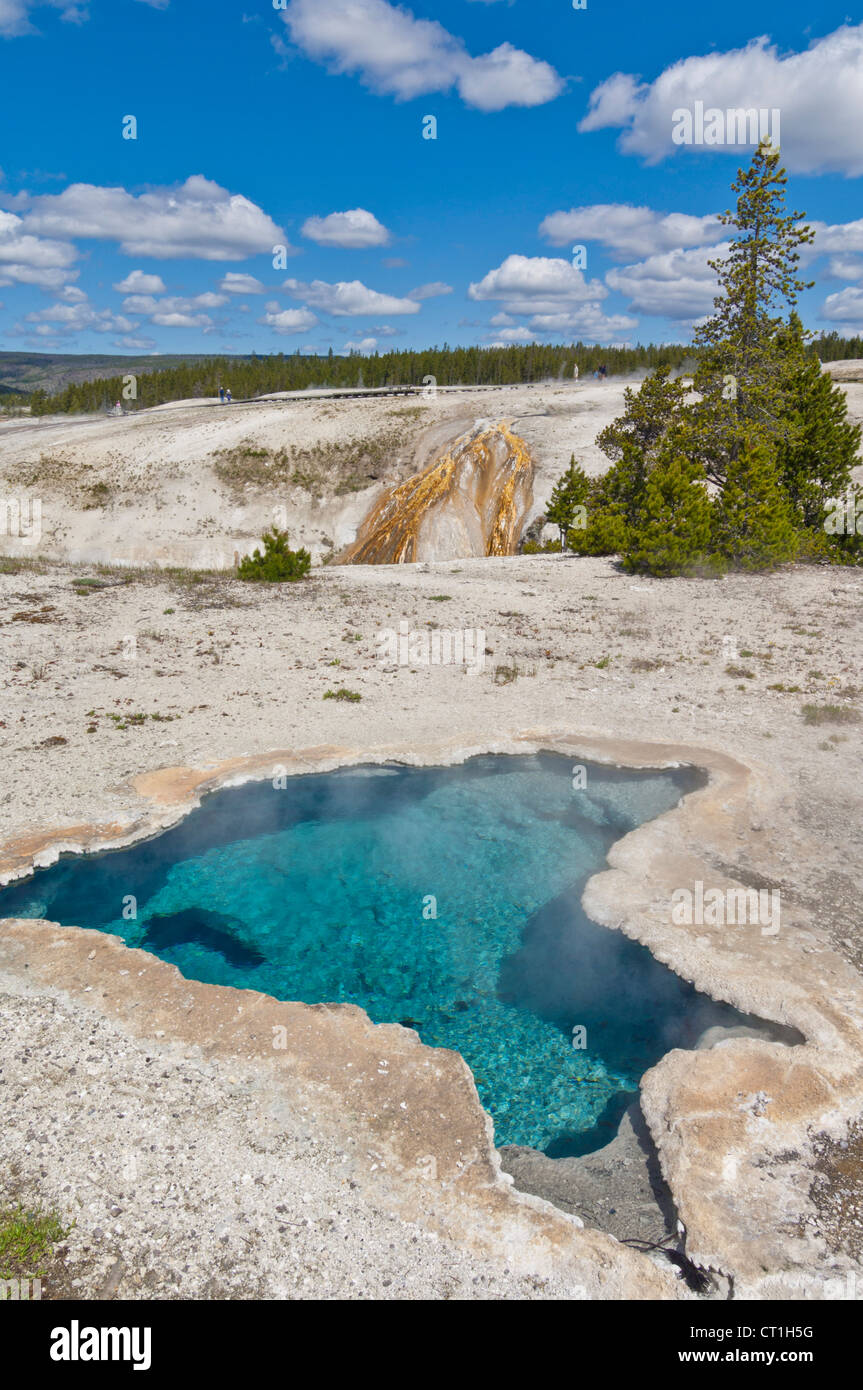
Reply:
x=26, y=1238
x=830, y=714
x=15, y=564
x=644, y=663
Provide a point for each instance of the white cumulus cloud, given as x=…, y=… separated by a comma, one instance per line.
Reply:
x=173, y=311
x=199, y=219
x=289, y=320
x=148, y=304
x=136, y=282
x=514, y=335
x=588, y=322
x=433, y=290
x=673, y=284
x=235, y=283
x=553, y=296
x=395, y=53
x=818, y=92
x=176, y=319
x=845, y=308
x=348, y=298
x=836, y=238
x=630, y=231
x=356, y=228
x=26, y=259
x=845, y=268
x=68, y=319
x=536, y=284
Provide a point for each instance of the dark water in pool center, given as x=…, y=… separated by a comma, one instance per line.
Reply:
x=325, y=890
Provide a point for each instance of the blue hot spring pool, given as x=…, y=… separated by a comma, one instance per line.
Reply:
x=446, y=899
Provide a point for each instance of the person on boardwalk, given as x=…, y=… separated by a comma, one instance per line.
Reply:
x=228, y=395
x=221, y=395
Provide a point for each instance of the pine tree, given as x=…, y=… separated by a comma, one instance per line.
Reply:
x=744, y=364
x=570, y=492
x=277, y=564
x=648, y=415
x=613, y=504
x=607, y=533
x=753, y=525
x=672, y=534
x=651, y=416
x=818, y=450
x=839, y=541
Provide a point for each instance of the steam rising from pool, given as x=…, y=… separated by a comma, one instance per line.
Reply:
x=445, y=899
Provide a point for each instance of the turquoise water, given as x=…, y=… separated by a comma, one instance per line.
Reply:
x=446, y=899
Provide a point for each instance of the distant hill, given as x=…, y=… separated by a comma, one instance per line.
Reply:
x=23, y=372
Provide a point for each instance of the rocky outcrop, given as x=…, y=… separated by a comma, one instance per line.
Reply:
x=473, y=500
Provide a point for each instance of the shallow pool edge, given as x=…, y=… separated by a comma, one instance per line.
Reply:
x=721, y=1119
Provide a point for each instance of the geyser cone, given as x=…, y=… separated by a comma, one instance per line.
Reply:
x=471, y=501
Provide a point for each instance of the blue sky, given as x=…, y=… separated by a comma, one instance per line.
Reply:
x=302, y=126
